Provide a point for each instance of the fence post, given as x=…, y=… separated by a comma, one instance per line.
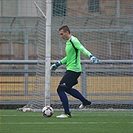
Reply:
x=26, y=58
x=83, y=80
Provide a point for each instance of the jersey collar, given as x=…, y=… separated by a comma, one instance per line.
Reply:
x=70, y=38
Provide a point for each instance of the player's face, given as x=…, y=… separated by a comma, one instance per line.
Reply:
x=64, y=35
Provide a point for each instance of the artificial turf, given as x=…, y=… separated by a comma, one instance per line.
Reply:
x=12, y=121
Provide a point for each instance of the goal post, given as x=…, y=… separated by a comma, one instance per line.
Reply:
x=47, y=44
x=48, y=52
x=41, y=92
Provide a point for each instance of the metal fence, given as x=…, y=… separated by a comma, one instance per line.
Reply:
x=17, y=85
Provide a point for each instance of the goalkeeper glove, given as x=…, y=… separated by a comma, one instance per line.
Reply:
x=55, y=66
x=94, y=59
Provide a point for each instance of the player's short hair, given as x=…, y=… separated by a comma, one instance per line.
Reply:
x=65, y=28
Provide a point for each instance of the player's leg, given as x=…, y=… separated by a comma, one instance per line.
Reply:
x=64, y=99
x=76, y=94
x=71, y=81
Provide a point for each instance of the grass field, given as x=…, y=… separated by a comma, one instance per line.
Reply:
x=12, y=121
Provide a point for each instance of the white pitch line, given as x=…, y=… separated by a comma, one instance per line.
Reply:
x=52, y=123
x=20, y=115
x=99, y=114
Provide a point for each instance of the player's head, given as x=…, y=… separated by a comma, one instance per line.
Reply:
x=65, y=32
x=65, y=28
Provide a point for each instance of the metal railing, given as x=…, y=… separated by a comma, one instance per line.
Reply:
x=89, y=69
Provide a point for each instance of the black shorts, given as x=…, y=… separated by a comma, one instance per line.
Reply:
x=70, y=78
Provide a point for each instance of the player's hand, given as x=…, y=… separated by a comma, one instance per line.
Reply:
x=94, y=59
x=55, y=66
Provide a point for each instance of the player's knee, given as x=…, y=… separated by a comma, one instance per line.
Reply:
x=61, y=87
x=58, y=89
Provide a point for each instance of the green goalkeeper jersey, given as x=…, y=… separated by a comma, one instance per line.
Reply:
x=72, y=59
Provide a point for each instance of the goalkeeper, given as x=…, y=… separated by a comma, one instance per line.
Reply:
x=73, y=70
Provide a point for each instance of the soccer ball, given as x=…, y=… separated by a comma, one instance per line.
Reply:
x=47, y=111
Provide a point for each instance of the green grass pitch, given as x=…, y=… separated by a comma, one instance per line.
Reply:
x=12, y=121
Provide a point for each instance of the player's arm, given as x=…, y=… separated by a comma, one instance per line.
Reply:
x=82, y=49
x=64, y=60
x=86, y=52
x=58, y=63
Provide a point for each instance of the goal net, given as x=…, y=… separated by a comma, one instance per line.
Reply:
x=38, y=95
x=105, y=29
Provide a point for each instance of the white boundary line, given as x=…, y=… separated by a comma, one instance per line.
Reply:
x=54, y=123
x=102, y=114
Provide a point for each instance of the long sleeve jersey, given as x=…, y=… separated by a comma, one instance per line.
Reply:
x=72, y=59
